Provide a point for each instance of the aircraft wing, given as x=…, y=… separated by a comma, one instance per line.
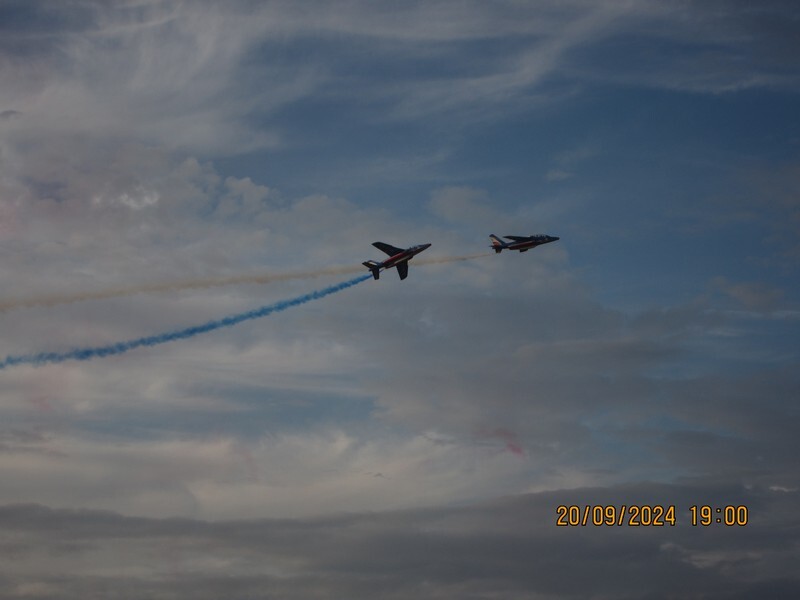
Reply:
x=402, y=269
x=390, y=250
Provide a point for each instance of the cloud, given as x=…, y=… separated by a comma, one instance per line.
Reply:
x=463, y=204
x=150, y=142
x=494, y=549
x=158, y=73
x=526, y=386
x=558, y=175
x=283, y=474
x=513, y=343
x=193, y=77
x=699, y=47
x=758, y=200
x=751, y=295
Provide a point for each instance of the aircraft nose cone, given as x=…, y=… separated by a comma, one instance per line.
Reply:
x=554, y=238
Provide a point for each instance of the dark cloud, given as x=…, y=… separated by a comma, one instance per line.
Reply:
x=509, y=548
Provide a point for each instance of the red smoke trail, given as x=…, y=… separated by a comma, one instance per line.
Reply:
x=196, y=284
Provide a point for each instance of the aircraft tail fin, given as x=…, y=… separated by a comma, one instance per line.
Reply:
x=374, y=267
x=497, y=243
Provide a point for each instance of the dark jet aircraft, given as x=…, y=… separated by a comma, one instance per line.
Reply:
x=522, y=243
x=397, y=258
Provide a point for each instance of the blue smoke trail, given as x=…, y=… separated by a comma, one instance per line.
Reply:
x=153, y=340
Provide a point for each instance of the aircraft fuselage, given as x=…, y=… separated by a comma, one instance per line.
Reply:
x=398, y=257
x=521, y=243
x=403, y=256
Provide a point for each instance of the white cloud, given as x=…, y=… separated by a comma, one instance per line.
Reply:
x=278, y=475
x=203, y=79
x=165, y=74
x=476, y=378
x=463, y=205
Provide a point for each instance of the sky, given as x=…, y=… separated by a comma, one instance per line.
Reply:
x=167, y=164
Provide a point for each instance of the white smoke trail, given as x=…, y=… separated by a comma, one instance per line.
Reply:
x=171, y=286
x=449, y=259
x=196, y=284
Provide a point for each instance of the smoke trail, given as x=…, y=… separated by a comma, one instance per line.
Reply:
x=195, y=284
x=448, y=259
x=188, y=284
x=153, y=340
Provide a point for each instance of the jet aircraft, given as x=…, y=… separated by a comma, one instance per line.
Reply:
x=398, y=257
x=520, y=242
